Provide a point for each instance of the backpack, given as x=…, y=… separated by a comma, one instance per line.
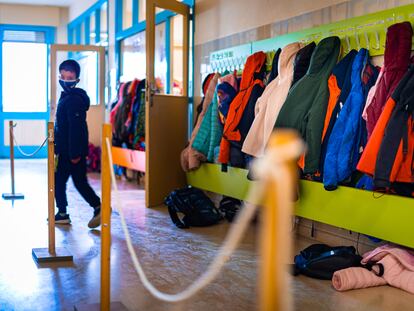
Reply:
x=198, y=209
x=320, y=261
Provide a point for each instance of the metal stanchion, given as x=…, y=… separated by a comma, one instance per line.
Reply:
x=51, y=254
x=275, y=238
x=105, y=304
x=12, y=195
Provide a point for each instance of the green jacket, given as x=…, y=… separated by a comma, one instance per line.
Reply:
x=306, y=104
x=210, y=132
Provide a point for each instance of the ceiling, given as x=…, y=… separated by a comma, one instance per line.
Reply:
x=41, y=2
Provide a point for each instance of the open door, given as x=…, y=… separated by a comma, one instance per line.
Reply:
x=91, y=59
x=166, y=114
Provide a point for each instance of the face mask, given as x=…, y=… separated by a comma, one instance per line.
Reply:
x=68, y=85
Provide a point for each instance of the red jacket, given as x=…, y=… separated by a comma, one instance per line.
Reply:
x=396, y=62
x=250, y=81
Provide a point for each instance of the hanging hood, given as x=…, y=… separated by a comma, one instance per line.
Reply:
x=275, y=66
x=253, y=69
x=286, y=59
x=302, y=60
x=398, y=46
x=325, y=55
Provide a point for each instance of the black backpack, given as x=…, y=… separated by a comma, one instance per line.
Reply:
x=198, y=209
x=320, y=261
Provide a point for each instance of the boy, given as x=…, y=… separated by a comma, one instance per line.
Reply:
x=71, y=144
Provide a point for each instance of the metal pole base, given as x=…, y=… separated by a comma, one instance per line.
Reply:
x=13, y=196
x=115, y=306
x=42, y=255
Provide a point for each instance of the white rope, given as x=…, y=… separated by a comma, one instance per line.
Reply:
x=270, y=163
x=230, y=243
x=28, y=155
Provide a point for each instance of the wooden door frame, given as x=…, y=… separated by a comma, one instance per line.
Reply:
x=54, y=49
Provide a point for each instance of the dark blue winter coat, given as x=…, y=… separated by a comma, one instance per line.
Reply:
x=345, y=141
x=71, y=129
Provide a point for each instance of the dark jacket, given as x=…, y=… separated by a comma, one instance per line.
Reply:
x=305, y=106
x=302, y=61
x=396, y=62
x=388, y=155
x=348, y=133
x=241, y=112
x=274, y=72
x=71, y=129
x=339, y=88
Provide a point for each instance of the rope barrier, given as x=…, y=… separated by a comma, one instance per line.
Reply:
x=235, y=233
x=28, y=155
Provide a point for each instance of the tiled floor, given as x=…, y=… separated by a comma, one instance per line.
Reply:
x=172, y=258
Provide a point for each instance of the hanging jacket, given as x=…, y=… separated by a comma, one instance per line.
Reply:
x=204, y=87
x=139, y=100
x=124, y=110
x=241, y=111
x=226, y=91
x=305, y=105
x=210, y=132
x=396, y=62
x=388, y=155
x=274, y=72
x=191, y=159
x=117, y=105
x=345, y=141
x=302, y=62
x=270, y=103
x=339, y=85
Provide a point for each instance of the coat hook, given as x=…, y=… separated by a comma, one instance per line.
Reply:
x=377, y=40
x=348, y=44
x=366, y=39
x=357, y=41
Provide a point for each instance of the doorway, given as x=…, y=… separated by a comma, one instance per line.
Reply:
x=24, y=86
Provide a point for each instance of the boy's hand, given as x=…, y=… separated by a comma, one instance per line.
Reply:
x=75, y=161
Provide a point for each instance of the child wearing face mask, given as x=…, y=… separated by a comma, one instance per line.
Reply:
x=71, y=144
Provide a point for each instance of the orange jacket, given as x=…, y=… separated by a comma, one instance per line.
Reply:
x=253, y=67
x=402, y=166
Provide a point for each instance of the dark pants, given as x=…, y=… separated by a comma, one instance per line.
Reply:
x=66, y=168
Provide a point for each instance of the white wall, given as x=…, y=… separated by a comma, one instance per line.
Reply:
x=78, y=7
x=36, y=15
x=220, y=18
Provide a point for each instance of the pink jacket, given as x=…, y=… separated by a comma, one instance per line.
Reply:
x=269, y=104
x=398, y=266
x=190, y=158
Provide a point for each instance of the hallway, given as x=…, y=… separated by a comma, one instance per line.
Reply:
x=172, y=259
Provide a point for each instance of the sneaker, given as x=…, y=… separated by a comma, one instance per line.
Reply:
x=96, y=219
x=62, y=219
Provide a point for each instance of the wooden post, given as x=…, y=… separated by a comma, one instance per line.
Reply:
x=51, y=186
x=51, y=254
x=105, y=304
x=11, y=156
x=276, y=240
x=106, y=221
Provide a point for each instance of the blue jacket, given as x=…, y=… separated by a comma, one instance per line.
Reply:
x=71, y=129
x=349, y=130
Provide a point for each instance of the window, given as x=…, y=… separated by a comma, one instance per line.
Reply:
x=19, y=71
x=88, y=62
x=127, y=14
x=133, y=57
x=104, y=23
x=91, y=27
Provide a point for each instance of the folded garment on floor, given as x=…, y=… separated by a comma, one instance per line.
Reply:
x=396, y=262
x=355, y=278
